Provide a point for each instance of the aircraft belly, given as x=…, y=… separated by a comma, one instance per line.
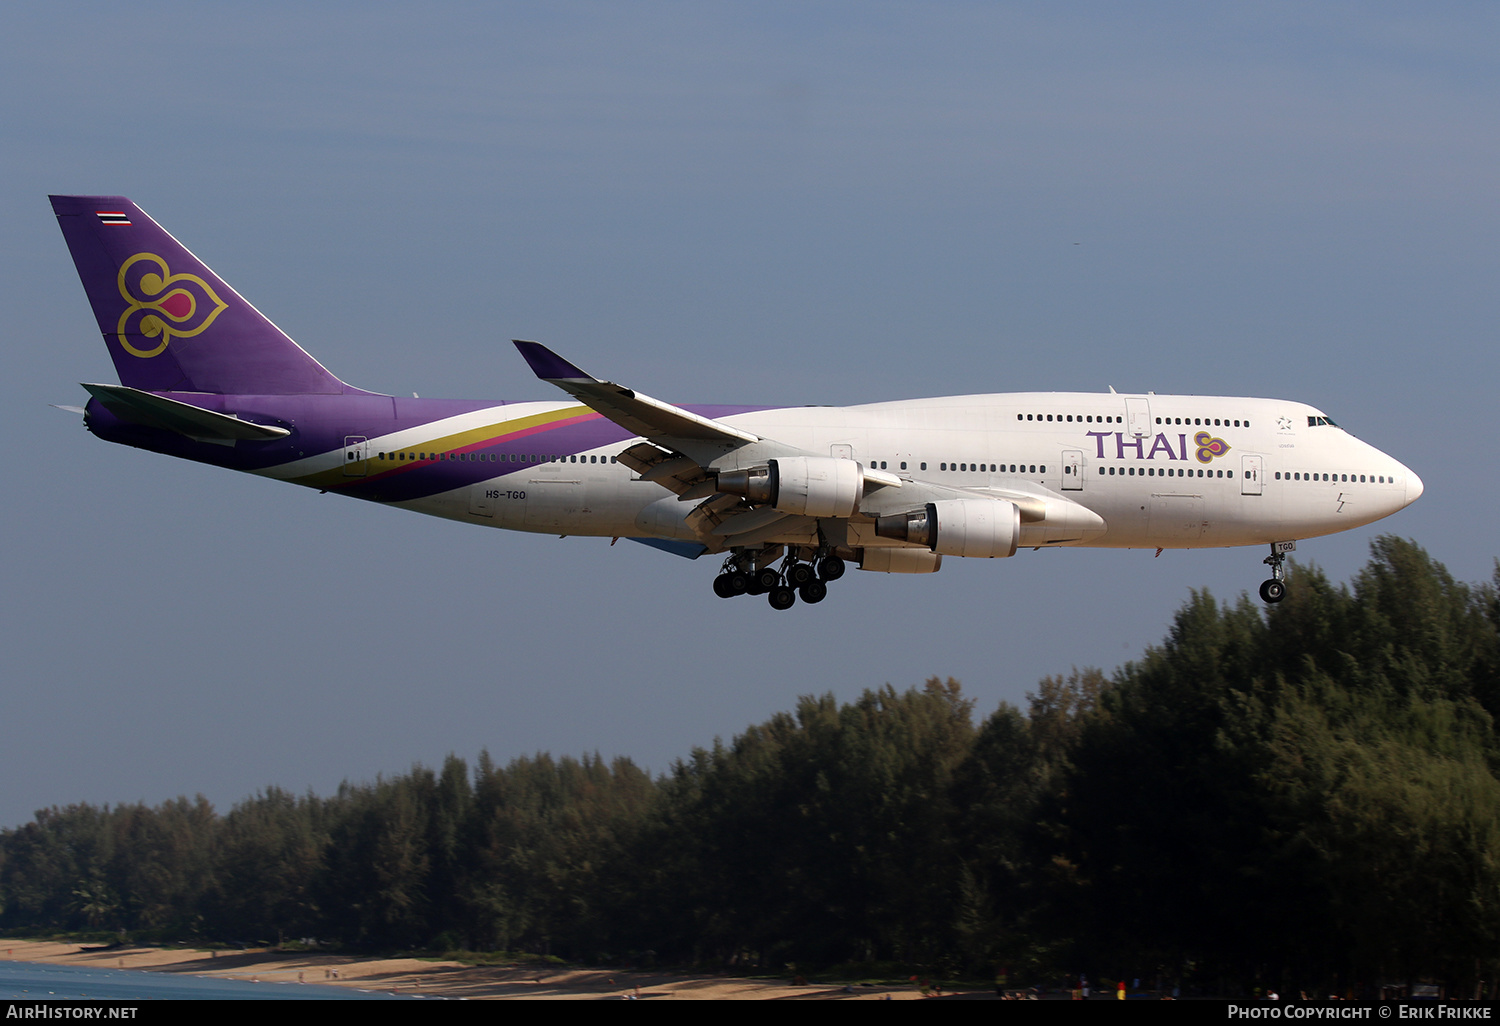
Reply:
x=663, y=518
x=552, y=502
x=1177, y=520
x=582, y=502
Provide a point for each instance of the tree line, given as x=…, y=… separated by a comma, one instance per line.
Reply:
x=1303, y=797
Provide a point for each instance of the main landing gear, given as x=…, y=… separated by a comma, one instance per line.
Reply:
x=1274, y=590
x=806, y=579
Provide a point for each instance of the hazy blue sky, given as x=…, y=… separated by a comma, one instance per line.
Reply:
x=776, y=203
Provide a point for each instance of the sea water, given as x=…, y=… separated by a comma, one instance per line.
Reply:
x=35, y=981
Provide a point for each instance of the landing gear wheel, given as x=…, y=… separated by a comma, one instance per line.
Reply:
x=782, y=597
x=831, y=569
x=799, y=574
x=730, y=584
x=753, y=585
x=767, y=578
x=813, y=591
x=1274, y=590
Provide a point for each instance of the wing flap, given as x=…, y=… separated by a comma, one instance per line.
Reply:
x=678, y=474
x=750, y=520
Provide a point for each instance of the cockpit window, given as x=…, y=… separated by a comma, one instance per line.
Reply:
x=1318, y=421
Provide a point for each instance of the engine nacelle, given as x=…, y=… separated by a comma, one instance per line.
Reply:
x=893, y=560
x=985, y=528
x=813, y=486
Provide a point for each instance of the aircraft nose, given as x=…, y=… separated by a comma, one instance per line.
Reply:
x=1413, y=487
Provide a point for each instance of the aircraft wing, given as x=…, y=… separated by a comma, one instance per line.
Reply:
x=692, y=439
x=686, y=454
x=639, y=414
x=681, y=447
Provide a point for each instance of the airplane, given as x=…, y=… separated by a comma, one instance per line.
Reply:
x=788, y=496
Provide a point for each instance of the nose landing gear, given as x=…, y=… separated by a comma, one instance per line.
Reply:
x=1274, y=590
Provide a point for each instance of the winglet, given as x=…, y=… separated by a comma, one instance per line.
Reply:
x=548, y=365
x=639, y=414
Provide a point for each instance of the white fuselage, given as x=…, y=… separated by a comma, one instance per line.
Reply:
x=1161, y=471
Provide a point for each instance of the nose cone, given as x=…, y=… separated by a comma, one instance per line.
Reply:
x=1413, y=487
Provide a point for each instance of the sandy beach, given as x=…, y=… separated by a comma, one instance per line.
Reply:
x=437, y=978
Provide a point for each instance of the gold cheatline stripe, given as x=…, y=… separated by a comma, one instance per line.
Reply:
x=489, y=432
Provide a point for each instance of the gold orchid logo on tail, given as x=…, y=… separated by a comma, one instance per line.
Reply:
x=163, y=305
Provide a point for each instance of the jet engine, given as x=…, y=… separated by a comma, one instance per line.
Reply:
x=987, y=528
x=813, y=486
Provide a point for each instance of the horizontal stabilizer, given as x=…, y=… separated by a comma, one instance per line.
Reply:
x=151, y=410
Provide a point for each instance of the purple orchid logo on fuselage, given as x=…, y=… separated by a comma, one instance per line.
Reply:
x=163, y=305
x=1209, y=448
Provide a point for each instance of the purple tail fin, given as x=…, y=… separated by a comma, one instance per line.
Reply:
x=169, y=322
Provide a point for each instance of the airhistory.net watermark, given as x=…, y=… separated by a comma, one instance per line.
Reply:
x=69, y=1012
